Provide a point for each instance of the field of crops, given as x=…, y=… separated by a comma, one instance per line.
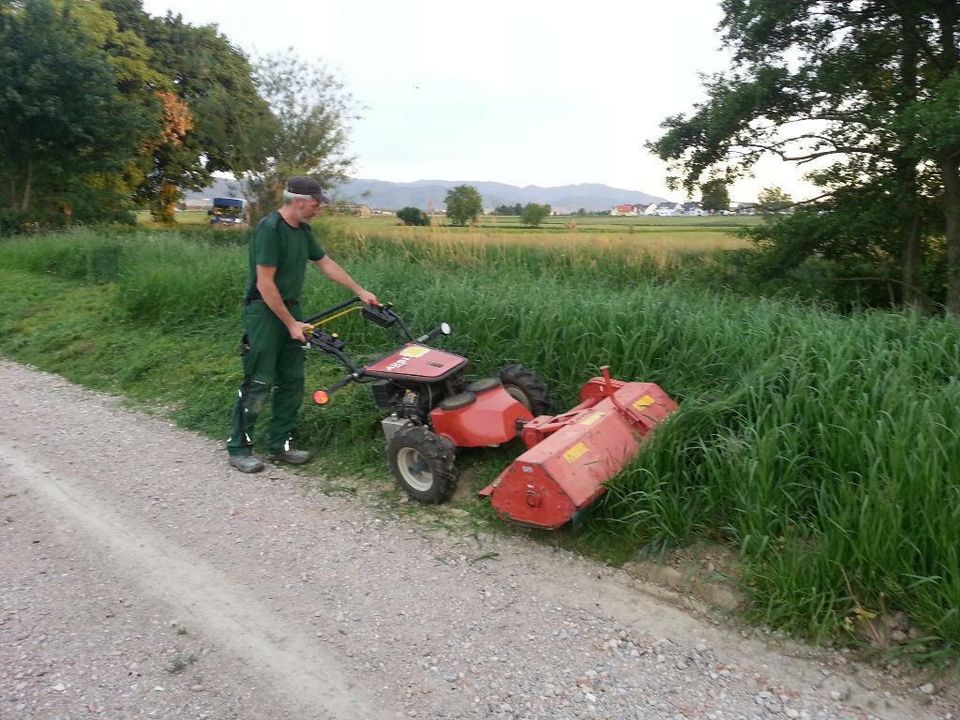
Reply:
x=821, y=446
x=657, y=237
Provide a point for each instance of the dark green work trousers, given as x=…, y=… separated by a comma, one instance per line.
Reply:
x=273, y=362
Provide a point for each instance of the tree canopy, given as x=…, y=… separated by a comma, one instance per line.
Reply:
x=773, y=199
x=104, y=107
x=66, y=125
x=870, y=89
x=714, y=196
x=213, y=120
x=534, y=213
x=464, y=204
x=310, y=136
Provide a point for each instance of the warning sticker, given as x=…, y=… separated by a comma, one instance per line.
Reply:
x=576, y=452
x=645, y=401
x=591, y=418
x=414, y=351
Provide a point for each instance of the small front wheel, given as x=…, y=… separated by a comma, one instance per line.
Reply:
x=422, y=464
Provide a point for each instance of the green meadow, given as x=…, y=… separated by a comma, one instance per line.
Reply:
x=822, y=447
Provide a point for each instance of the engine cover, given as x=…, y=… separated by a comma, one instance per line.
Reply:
x=418, y=363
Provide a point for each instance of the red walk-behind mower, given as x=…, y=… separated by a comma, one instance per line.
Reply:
x=434, y=410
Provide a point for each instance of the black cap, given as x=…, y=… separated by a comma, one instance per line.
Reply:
x=307, y=187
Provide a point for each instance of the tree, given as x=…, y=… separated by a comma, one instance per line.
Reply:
x=464, y=204
x=533, y=214
x=714, y=196
x=413, y=216
x=772, y=200
x=67, y=132
x=870, y=86
x=311, y=135
x=214, y=120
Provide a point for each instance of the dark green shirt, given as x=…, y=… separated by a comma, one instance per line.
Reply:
x=277, y=244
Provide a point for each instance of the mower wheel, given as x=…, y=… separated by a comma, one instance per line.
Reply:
x=527, y=387
x=422, y=464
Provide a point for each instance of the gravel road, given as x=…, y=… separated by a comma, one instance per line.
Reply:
x=142, y=577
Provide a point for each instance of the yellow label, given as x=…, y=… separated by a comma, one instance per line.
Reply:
x=591, y=419
x=414, y=351
x=575, y=453
x=645, y=401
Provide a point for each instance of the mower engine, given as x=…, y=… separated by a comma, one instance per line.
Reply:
x=433, y=408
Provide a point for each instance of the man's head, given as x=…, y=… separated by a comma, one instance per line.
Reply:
x=305, y=195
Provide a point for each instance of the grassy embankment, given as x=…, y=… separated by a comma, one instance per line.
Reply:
x=823, y=447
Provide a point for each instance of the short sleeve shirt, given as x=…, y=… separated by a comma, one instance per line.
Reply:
x=287, y=248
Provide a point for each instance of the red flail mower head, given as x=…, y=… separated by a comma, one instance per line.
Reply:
x=572, y=455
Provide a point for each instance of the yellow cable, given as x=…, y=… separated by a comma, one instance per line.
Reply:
x=339, y=314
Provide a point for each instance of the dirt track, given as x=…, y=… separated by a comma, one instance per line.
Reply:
x=142, y=577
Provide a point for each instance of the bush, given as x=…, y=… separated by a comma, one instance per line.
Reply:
x=13, y=222
x=413, y=216
x=533, y=214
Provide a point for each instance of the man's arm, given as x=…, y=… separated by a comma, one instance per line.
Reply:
x=271, y=296
x=329, y=267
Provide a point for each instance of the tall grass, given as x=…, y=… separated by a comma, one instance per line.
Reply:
x=824, y=447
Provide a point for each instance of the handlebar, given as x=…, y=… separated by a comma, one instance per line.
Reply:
x=441, y=329
x=331, y=310
x=322, y=397
x=382, y=315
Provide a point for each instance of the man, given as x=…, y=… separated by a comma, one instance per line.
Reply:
x=281, y=246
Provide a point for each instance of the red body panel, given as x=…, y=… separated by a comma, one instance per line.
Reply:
x=417, y=362
x=490, y=420
x=575, y=453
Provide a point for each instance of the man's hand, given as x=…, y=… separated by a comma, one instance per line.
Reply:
x=298, y=331
x=368, y=297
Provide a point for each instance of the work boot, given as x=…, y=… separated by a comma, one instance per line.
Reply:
x=246, y=463
x=292, y=457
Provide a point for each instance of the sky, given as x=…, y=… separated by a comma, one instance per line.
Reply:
x=524, y=92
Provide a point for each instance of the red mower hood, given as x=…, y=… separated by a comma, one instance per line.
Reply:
x=417, y=362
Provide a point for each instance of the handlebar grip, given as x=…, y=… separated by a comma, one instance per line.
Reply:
x=427, y=337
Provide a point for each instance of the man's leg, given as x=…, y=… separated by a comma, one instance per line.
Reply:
x=266, y=335
x=287, y=398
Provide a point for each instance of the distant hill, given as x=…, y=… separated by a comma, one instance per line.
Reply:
x=221, y=187
x=430, y=194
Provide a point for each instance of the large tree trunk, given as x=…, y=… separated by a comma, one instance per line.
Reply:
x=912, y=262
x=27, y=187
x=165, y=210
x=949, y=62
x=950, y=168
x=912, y=248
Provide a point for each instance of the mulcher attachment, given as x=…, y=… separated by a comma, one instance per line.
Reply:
x=573, y=454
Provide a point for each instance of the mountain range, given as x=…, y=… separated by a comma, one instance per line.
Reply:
x=431, y=194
